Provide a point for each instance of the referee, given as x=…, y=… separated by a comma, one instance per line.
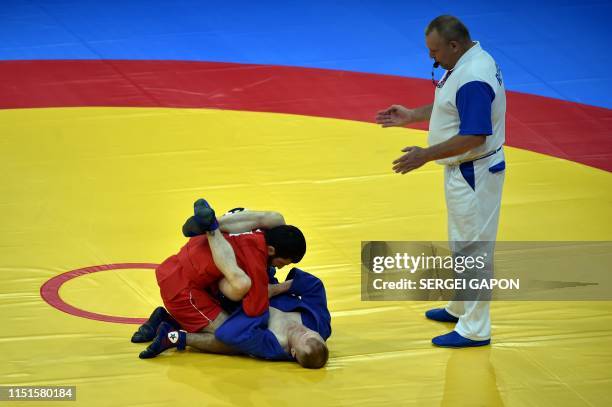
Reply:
x=466, y=135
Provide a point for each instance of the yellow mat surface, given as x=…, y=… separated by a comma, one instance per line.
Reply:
x=93, y=186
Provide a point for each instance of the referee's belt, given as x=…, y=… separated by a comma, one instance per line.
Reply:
x=480, y=157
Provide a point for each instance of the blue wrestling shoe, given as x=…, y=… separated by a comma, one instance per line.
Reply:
x=146, y=332
x=203, y=220
x=167, y=337
x=441, y=315
x=205, y=215
x=454, y=340
x=192, y=228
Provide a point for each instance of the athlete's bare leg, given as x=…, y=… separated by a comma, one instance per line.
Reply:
x=205, y=340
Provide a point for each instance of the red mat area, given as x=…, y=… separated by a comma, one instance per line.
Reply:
x=562, y=129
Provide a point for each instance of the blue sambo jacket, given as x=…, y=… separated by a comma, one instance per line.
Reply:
x=251, y=335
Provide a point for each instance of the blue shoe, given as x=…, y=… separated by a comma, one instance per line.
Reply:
x=167, y=337
x=193, y=228
x=205, y=215
x=147, y=331
x=454, y=340
x=440, y=314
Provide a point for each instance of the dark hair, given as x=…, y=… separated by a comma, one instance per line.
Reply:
x=288, y=242
x=450, y=28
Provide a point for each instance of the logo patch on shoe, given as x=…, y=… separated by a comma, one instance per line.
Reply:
x=173, y=336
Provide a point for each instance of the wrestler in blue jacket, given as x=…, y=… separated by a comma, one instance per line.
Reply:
x=296, y=322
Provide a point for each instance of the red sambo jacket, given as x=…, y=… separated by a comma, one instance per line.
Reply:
x=196, y=269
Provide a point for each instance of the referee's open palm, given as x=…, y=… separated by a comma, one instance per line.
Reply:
x=395, y=115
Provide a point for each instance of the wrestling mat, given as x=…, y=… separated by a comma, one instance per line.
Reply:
x=103, y=157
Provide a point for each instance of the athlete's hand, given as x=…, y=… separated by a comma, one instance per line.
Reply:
x=395, y=115
x=276, y=289
x=414, y=158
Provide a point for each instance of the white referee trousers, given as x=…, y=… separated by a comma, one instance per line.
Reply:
x=473, y=198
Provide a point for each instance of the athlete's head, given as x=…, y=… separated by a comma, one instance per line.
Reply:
x=286, y=244
x=308, y=348
x=447, y=39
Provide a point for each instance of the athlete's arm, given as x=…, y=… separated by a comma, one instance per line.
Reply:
x=236, y=283
x=246, y=221
x=276, y=289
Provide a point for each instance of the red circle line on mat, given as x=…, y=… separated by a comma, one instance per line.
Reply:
x=49, y=291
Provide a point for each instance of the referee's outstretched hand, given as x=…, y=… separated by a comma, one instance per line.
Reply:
x=414, y=158
x=395, y=115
